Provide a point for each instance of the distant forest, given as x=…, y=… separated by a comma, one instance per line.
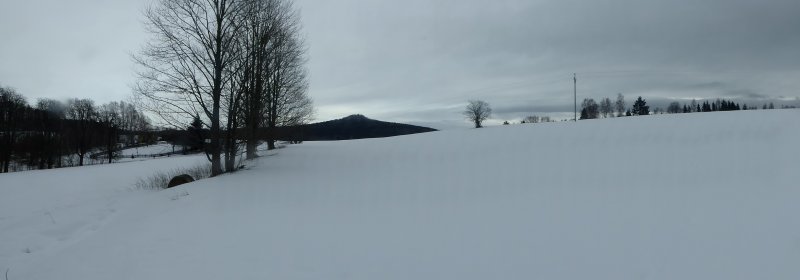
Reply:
x=606, y=108
x=51, y=133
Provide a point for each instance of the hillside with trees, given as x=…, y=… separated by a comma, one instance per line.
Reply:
x=52, y=134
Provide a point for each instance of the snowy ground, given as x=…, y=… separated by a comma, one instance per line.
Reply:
x=156, y=149
x=690, y=196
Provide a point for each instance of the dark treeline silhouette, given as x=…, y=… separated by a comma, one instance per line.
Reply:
x=54, y=134
x=536, y=119
x=192, y=139
x=592, y=110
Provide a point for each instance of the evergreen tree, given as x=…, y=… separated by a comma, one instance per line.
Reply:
x=640, y=107
x=195, y=134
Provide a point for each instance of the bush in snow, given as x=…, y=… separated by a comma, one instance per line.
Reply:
x=161, y=179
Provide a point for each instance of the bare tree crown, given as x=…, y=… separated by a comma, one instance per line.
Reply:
x=477, y=111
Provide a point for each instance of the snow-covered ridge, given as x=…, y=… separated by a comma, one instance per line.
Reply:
x=689, y=196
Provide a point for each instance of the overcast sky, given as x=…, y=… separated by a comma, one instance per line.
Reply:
x=420, y=60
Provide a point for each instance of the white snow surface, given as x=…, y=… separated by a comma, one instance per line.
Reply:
x=689, y=196
x=154, y=149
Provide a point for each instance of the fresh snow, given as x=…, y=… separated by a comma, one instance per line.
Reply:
x=689, y=196
x=156, y=149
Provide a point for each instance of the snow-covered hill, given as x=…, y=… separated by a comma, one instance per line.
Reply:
x=690, y=196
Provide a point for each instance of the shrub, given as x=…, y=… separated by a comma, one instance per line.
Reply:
x=159, y=180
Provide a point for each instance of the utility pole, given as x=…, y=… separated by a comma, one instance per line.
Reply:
x=575, y=88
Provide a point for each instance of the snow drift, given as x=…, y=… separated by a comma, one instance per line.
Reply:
x=690, y=196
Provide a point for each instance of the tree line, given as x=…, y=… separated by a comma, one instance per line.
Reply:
x=235, y=66
x=51, y=134
x=478, y=111
x=608, y=109
x=591, y=110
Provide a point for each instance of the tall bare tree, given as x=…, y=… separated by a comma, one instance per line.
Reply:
x=477, y=111
x=186, y=66
x=259, y=32
x=12, y=109
x=287, y=101
x=590, y=109
x=606, y=108
x=619, y=105
x=83, y=114
x=674, y=107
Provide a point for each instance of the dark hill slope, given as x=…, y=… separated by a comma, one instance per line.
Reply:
x=351, y=127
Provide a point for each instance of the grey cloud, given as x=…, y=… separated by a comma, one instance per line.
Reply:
x=414, y=59
x=746, y=93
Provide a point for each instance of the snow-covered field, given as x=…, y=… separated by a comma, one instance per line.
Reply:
x=690, y=196
x=155, y=149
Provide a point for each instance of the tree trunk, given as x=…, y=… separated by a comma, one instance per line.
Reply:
x=214, y=147
x=252, y=146
x=230, y=156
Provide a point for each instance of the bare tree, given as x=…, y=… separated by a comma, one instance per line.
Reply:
x=187, y=66
x=619, y=105
x=273, y=77
x=606, y=108
x=287, y=99
x=262, y=28
x=109, y=115
x=590, y=109
x=477, y=111
x=51, y=124
x=12, y=109
x=83, y=114
x=674, y=107
x=531, y=119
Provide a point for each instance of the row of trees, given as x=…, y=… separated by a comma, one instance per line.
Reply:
x=478, y=111
x=235, y=65
x=711, y=106
x=50, y=133
x=592, y=110
x=536, y=119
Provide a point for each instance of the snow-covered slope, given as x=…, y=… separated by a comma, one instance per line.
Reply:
x=156, y=149
x=690, y=196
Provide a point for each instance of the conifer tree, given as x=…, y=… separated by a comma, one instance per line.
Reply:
x=640, y=107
